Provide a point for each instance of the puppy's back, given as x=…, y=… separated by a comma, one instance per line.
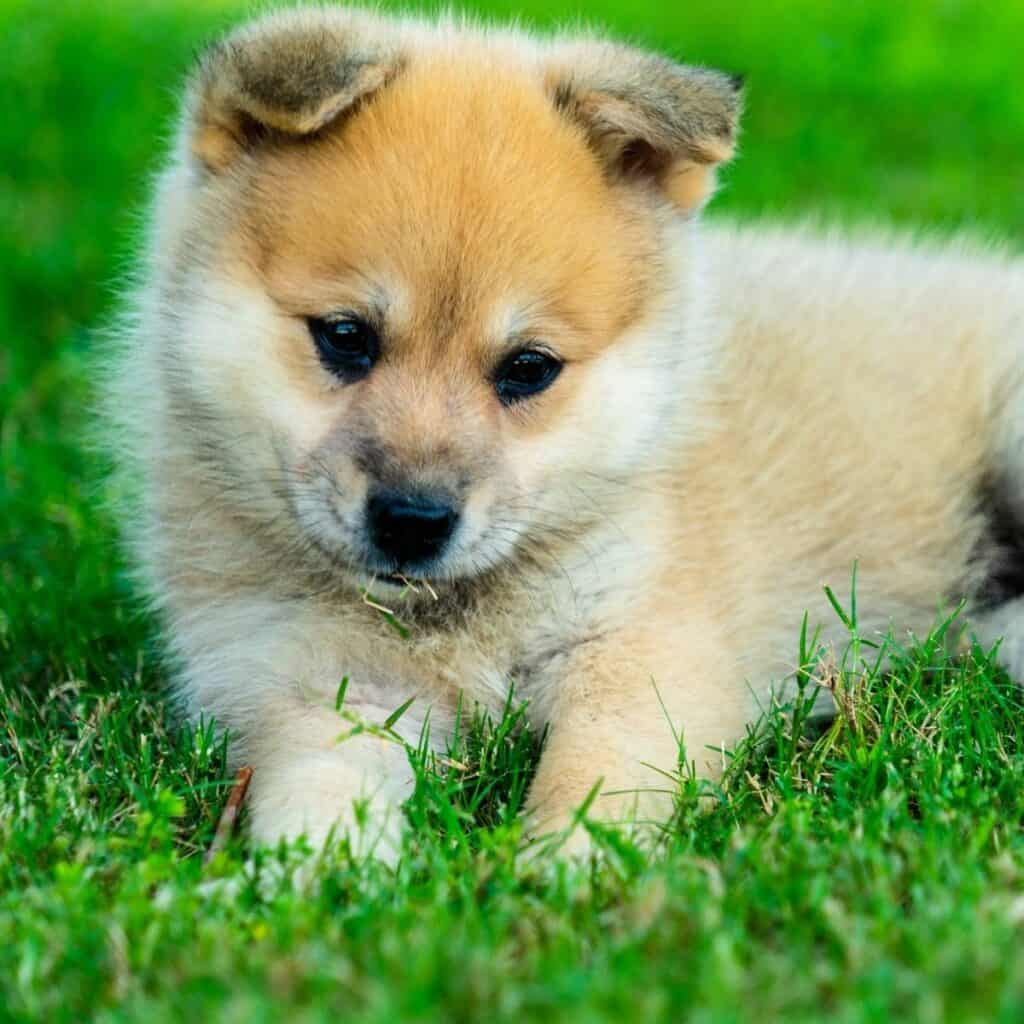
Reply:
x=868, y=391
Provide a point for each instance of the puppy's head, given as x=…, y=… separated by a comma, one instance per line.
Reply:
x=431, y=287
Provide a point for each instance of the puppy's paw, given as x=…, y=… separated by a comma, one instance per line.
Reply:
x=572, y=845
x=326, y=813
x=366, y=828
x=583, y=841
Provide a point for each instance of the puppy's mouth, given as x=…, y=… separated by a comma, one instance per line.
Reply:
x=397, y=582
x=399, y=579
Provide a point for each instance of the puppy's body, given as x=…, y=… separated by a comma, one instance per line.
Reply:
x=736, y=418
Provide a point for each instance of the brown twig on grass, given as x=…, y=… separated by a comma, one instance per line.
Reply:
x=229, y=816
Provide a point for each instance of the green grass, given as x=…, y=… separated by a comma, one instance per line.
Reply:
x=873, y=873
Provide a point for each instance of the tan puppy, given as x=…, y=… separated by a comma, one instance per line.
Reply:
x=428, y=324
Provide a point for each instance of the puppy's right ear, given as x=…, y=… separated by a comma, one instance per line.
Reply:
x=289, y=74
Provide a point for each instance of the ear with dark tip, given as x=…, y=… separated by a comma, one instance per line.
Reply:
x=290, y=73
x=648, y=118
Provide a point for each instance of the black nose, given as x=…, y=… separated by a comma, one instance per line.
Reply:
x=409, y=528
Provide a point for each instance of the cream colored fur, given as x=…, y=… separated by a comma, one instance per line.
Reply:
x=780, y=405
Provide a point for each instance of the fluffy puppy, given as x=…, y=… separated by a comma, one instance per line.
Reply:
x=429, y=336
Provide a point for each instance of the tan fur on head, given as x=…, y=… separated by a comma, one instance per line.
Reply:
x=737, y=415
x=296, y=72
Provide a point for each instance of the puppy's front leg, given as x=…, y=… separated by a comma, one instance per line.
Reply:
x=273, y=686
x=316, y=775
x=620, y=715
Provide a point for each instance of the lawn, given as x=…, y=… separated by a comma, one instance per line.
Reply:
x=873, y=871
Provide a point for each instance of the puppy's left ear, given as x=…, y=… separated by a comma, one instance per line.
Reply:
x=648, y=118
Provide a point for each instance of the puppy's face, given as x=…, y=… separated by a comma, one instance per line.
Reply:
x=443, y=332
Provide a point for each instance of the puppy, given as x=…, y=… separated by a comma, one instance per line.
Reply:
x=434, y=385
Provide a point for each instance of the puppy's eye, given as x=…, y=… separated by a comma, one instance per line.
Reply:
x=524, y=374
x=348, y=347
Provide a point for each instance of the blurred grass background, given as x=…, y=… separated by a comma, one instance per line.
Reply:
x=909, y=113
